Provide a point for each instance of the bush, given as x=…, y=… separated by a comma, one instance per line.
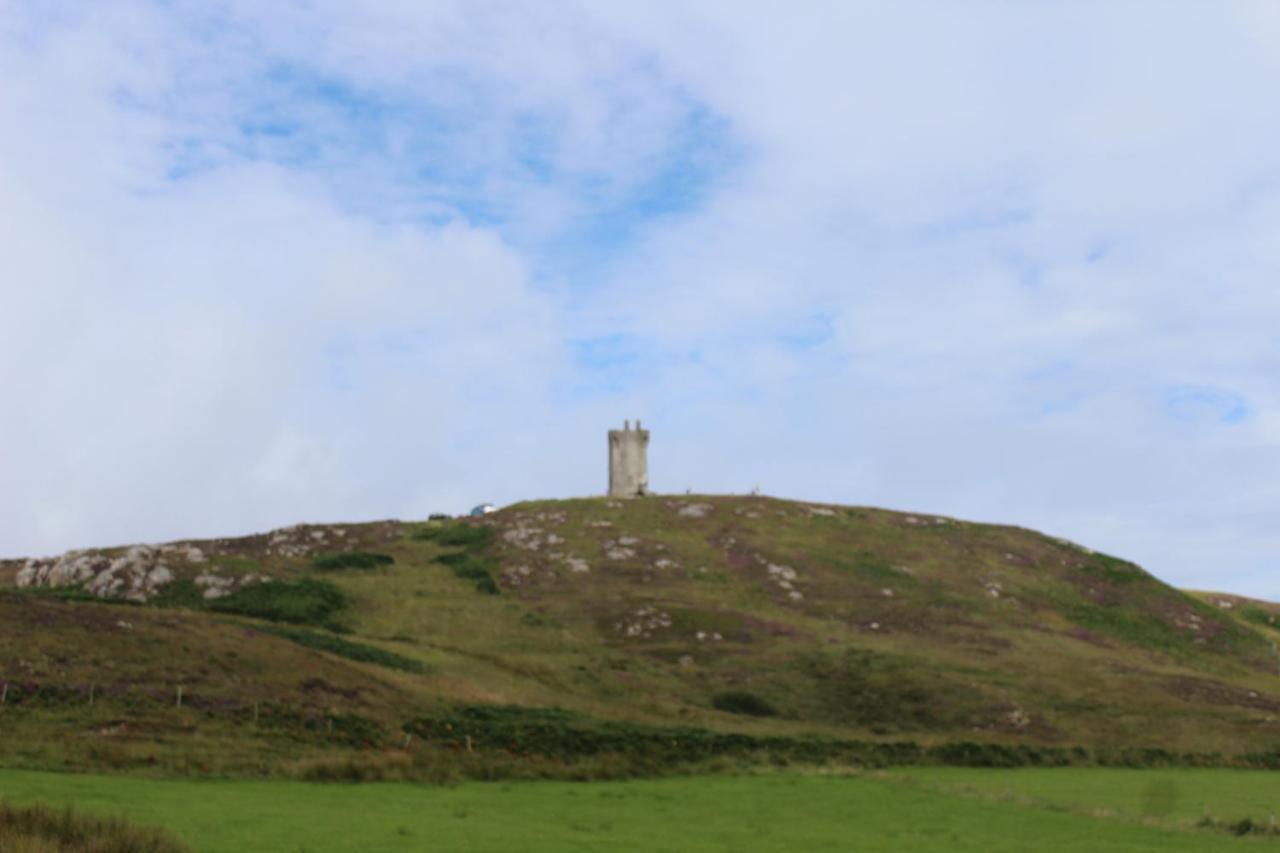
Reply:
x=1258, y=616
x=478, y=570
x=1115, y=570
x=348, y=649
x=40, y=827
x=304, y=602
x=469, y=563
x=457, y=535
x=743, y=702
x=350, y=560
x=349, y=729
x=566, y=736
x=181, y=592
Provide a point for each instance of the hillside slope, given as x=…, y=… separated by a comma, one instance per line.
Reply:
x=729, y=614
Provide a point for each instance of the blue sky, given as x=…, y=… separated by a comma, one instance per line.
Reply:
x=318, y=262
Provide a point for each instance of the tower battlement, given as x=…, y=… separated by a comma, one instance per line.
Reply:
x=628, y=461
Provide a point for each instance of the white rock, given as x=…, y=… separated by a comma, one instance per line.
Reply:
x=784, y=572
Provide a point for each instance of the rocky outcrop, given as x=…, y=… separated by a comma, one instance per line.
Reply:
x=136, y=575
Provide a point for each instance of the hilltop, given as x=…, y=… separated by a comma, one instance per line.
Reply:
x=576, y=629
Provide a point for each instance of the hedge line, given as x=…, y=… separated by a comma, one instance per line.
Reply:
x=567, y=736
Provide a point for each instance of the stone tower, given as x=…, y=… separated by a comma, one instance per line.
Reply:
x=628, y=461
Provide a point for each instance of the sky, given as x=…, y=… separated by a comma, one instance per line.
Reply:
x=319, y=261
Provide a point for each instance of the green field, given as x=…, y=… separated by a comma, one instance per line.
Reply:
x=933, y=809
x=1172, y=798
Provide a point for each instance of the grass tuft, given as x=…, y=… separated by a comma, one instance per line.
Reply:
x=40, y=828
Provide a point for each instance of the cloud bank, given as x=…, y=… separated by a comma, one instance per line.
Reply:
x=1012, y=264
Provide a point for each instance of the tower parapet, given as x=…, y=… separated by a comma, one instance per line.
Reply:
x=628, y=461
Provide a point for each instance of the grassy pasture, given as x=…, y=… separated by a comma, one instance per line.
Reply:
x=1172, y=798
x=913, y=811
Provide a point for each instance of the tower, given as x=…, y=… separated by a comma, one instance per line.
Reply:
x=628, y=461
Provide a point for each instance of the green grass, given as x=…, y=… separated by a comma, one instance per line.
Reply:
x=1174, y=798
x=764, y=813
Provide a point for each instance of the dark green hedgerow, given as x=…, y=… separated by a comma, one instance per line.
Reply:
x=349, y=729
x=565, y=736
x=350, y=560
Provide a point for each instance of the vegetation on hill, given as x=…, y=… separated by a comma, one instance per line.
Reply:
x=699, y=619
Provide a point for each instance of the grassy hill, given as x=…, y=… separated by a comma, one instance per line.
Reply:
x=596, y=636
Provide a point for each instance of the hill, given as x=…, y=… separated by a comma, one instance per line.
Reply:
x=590, y=633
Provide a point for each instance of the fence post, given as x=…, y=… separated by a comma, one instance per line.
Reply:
x=179, y=696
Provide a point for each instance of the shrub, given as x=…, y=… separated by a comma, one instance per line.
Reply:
x=347, y=649
x=635, y=748
x=181, y=592
x=350, y=729
x=469, y=563
x=478, y=570
x=457, y=535
x=743, y=702
x=1258, y=616
x=303, y=602
x=1114, y=570
x=40, y=827
x=350, y=560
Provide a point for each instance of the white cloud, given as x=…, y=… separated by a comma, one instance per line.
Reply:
x=935, y=258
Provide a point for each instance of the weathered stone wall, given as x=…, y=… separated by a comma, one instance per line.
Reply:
x=628, y=461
